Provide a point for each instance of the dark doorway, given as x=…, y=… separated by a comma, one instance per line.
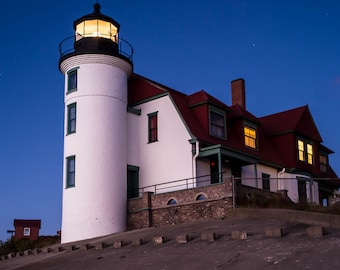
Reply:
x=132, y=182
x=302, y=190
x=214, y=176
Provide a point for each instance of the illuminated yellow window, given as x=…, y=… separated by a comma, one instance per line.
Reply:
x=309, y=153
x=301, y=149
x=96, y=28
x=250, y=137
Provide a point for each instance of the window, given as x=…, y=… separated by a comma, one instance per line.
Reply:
x=153, y=127
x=201, y=197
x=72, y=80
x=309, y=153
x=71, y=118
x=217, y=124
x=301, y=149
x=250, y=137
x=305, y=152
x=172, y=201
x=323, y=163
x=27, y=231
x=70, y=171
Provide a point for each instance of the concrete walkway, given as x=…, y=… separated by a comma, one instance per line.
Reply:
x=248, y=239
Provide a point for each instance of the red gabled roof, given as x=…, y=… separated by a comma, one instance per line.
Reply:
x=297, y=120
x=200, y=97
x=239, y=112
x=140, y=88
x=193, y=108
x=27, y=222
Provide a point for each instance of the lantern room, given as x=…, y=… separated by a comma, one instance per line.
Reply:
x=96, y=25
x=96, y=33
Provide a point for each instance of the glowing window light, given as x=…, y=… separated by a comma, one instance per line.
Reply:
x=96, y=28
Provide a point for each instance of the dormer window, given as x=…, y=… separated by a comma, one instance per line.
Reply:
x=217, y=127
x=250, y=137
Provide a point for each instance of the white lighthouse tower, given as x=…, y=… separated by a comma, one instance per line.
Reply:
x=95, y=143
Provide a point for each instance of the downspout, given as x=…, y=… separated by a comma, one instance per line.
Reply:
x=194, y=164
x=279, y=180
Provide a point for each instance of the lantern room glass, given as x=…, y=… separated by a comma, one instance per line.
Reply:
x=96, y=28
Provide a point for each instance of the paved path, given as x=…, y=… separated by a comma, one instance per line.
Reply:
x=295, y=250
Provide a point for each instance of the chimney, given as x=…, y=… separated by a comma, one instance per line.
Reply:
x=238, y=93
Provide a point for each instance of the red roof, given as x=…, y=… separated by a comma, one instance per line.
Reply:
x=295, y=120
x=27, y=223
x=275, y=131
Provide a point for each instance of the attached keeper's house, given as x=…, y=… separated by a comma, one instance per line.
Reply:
x=175, y=136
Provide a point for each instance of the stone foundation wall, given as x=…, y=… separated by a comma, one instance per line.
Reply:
x=262, y=198
x=190, y=212
x=153, y=209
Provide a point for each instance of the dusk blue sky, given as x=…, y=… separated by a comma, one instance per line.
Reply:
x=288, y=52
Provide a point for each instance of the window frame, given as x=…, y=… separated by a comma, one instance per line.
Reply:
x=323, y=165
x=248, y=138
x=172, y=201
x=27, y=231
x=72, y=80
x=214, y=127
x=309, y=155
x=301, y=150
x=153, y=127
x=70, y=172
x=71, y=118
x=305, y=151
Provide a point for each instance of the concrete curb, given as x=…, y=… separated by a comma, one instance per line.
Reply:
x=311, y=218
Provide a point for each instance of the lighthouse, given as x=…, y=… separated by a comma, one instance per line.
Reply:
x=96, y=68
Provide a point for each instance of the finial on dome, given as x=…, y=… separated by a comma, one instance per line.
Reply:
x=96, y=8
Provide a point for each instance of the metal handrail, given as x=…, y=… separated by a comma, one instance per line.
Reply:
x=194, y=182
x=185, y=183
x=66, y=46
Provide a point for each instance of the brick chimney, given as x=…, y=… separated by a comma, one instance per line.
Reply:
x=238, y=92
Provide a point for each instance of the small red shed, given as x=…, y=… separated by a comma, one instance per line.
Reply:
x=27, y=228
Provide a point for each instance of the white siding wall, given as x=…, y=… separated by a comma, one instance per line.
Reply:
x=280, y=181
x=203, y=172
x=96, y=206
x=133, y=135
x=169, y=158
x=249, y=176
x=289, y=182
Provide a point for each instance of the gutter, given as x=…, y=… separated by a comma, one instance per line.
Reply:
x=194, y=164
